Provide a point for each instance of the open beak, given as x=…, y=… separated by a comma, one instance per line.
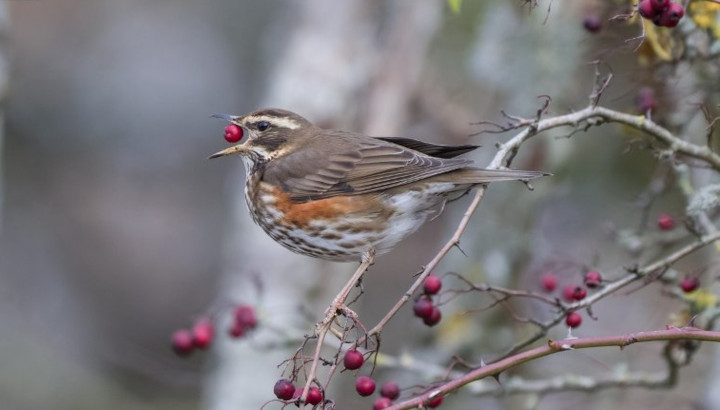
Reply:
x=228, y=151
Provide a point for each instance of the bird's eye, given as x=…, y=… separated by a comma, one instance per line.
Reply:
x=262, y=125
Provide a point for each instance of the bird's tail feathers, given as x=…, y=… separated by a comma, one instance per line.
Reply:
x=482, y=176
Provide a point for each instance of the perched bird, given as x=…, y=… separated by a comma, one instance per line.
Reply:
x=335, y=194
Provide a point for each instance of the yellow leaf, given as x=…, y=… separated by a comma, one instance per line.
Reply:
x=455, y=5
x=705, y=16
x=702, y=298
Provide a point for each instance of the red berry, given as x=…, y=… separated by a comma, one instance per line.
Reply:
x=549, y=282
x=390, y=390
x=672, y=15
x=435, y=402
x=665, y=222
x=382, y=403
x=432, y=285
x=353, y=360
x=236, y=331
x=645, y=100
x=592, y=24
x=314, y=396
x=573, y=319
x=182, y=342
x=579, y=293
x=233, y=133
x=659, y=5
x=593, y=279
x=646, y=9
x=423, y=308
x=284, y=389
x=202, y=333
x=689, y=284
x=245, y=317
x=434, y=317
x=365, y=385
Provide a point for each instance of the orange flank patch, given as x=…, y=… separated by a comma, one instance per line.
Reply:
x=300, y=214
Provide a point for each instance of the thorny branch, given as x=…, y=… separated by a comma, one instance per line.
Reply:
x=558, y=346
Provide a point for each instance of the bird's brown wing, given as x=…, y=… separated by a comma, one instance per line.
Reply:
x=338, y=163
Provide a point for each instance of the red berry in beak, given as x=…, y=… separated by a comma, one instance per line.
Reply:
x=233, y=133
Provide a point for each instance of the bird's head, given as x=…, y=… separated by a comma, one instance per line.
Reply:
x=263, y=135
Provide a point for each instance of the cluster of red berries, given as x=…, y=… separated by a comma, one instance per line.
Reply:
x=661, y=12
x=573, y=292
x=365, y=385
x=244, y=320
x=202, y=334
x=285, y=390
x=424, y=307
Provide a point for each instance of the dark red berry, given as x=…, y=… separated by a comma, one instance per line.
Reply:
x=593, y=279
x=202, y=333
x=353, y=360
x=665, y=222
x=646, y=9
x=390, y=390
x=573, y=319
x=432, y=285
x=182, y=342
x=233, y=133
x=365, y=385
x=592, y=24
x=423, y=308
x=645, y=100
x=382, y=403
x=672, y=15
x=579, y=293
x=435, y=402
x=314, y=396
x=549, y=282
x=434, y=317
x=689, y=284
x=659, y=5
x=284, y=389
x=237, y=331
x=245, y=316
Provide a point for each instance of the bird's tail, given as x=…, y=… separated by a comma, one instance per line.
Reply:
x=482, y=176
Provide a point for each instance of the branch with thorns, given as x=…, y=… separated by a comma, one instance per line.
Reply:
x=564, y=345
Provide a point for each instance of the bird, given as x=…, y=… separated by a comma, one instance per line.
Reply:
x=337, y=195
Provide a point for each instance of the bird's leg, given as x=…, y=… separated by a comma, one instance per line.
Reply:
x=337, y=306
x=338, y=303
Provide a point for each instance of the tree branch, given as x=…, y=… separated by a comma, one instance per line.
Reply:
x=558, y=346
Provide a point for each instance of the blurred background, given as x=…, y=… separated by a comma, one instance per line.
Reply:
x=116, y=230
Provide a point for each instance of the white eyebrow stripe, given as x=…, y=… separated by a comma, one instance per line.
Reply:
x=280, y=122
